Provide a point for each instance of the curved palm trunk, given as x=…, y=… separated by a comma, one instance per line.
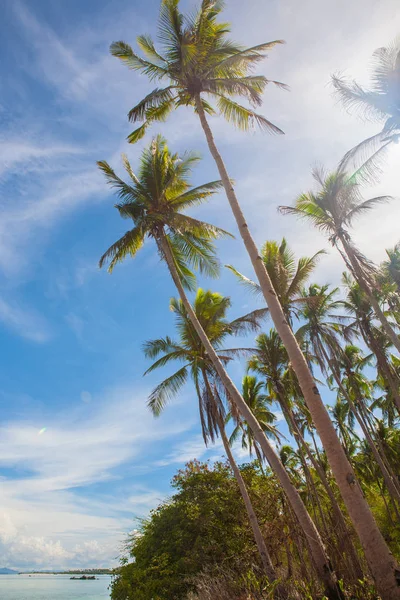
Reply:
x=318, y=553
x=359, y=277
x=380, y=560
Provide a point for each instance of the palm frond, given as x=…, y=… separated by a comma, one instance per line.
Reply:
x=187, y=277
x=199, y=253
x=244, y=118
x=365, y=206
x=246, y=57
x=138, y=134
x=124, y=191
x=250, y=322
x=153, y=348
x=130, y=243
x=166, y=391
x=146, y=44
x=305, y=267
x=196, y=195
x=184, y=223
x=156, y=98
x=125, y=53
x=353, y=96
x=166, y=359
x=251, y=285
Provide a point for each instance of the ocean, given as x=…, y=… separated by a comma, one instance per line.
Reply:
x=53, y=587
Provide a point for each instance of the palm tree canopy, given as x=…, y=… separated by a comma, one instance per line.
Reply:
x=287, y=275
x=335, y=205
x=391, y=267
x=382, y=100
x=211, y=310
x=155, y=200
x=321, y=328
x=258, y=402
x=196, y=57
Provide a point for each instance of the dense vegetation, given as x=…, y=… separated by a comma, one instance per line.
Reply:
x=318, y=514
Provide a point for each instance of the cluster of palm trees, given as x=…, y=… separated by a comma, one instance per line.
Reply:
x=204, y=70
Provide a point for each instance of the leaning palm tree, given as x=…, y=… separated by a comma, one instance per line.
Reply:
x=287, y=275
x=197, y=58
x=380, y=103
x=332, y=210
x=153, y=200
x=210, y=309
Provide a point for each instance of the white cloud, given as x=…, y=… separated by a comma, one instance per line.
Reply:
x=49, y=517
x=188, y=450
x=24, y=322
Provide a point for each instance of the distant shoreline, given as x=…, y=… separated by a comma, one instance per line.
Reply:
x=72, y=572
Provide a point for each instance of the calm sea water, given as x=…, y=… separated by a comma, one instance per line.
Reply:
x=52, y=587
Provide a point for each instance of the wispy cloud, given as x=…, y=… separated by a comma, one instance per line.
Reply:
x=24, y=322
x=47, y=509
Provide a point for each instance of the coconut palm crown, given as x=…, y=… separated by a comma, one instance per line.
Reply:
x=287, y=274
x=210, y=308
x=154, y=200
x=380, y=102
x=196, y=57
x=333, y=208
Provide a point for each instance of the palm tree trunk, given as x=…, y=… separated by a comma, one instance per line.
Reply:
x=317, y=549
x=359, y=277
x=379, y=557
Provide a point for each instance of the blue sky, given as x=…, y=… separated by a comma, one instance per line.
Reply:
x=71, y=336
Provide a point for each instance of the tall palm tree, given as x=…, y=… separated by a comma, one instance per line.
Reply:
x=287, y=275
x=210, y=309
x=357, y=305
x=381, y=102
x=332, y=210
x=153, y=201
x=197, y=58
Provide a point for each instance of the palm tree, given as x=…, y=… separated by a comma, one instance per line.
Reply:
x=332, y=210
x=358, y=306
x=210, y=309
x=287, y=275
x=197, y=58
x=258, y=402
x=153, y=201
x=391, y=267
x=381, y=102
